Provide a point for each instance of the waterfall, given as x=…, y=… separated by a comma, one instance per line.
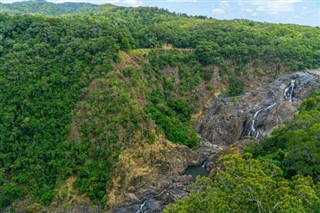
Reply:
x=203, y=165
x=288, y=92
x=251, y=128
x=253, y=131
x=141, y=207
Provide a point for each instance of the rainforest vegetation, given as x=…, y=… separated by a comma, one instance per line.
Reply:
x=279, y=175
x=68, y=108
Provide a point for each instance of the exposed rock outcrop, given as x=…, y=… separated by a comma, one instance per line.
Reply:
x=154, y=178
x=255, y=113
x=151, y=177
x=224, y=130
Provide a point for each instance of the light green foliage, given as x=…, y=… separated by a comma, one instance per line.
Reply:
x=43, y=7
x=171, y=102
x=243, y=184
x=295, y=147
x=56, y=72
x=109, y=119
x=46, y=63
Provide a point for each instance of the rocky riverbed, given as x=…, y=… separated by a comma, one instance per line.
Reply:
x=251, y=115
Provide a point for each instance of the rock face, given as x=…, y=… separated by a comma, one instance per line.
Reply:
x=255, y=113
x=152, y=177
x=154, y=202
x=156, y=179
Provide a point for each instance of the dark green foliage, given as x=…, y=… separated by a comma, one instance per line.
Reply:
x=182, y=108
x=177, y=75
x=295, y=147
x=43, y=7
x=312, y=103
x=294, y=47
x=236, y=86
x=244, y=184
x=172, y=119
x=109, y=121
x=56, y=73
x=45, y=65
x=208, y=52
x=249, y=185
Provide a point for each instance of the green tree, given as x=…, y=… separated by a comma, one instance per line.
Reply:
x=249, y=185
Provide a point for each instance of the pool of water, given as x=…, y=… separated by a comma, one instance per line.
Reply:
x=195, y=171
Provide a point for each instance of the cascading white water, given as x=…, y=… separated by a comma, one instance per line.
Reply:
x=141, y=207
x=269, y=107
x=254, y=131
x=288, y=92
x=203, y=165
x=253, y=125
x=288, y=95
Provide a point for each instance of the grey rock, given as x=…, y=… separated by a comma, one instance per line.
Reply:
x=261, y=110
x=223, y=125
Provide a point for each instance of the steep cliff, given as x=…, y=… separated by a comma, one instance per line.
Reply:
x=255, y=113
x=97, y=106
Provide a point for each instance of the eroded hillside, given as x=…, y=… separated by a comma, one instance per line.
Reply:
x=93, y=109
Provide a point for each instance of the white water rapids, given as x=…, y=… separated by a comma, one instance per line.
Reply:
x=288, y=92
x=257, y=115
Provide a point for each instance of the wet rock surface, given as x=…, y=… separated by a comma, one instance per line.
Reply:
x=229, y=124
x=162, y=182
x=154, y=202
x=255, y=113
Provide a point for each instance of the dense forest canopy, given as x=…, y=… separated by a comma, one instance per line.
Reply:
x=58, y=67
x=279, y=175
x=47, y=8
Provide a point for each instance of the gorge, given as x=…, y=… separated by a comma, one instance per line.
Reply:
x=253, y=115
x=106, y=108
